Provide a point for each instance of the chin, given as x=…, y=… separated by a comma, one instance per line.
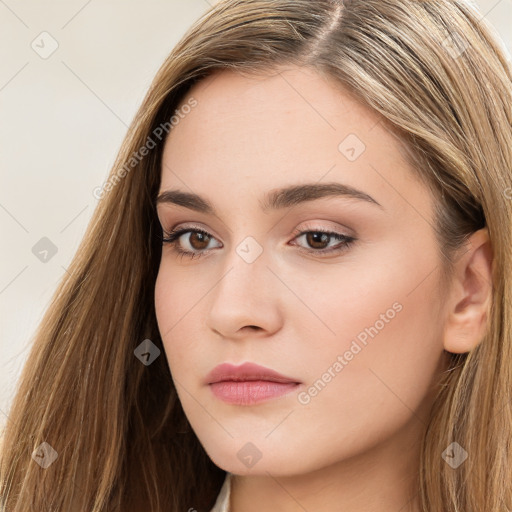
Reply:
x=248, y=458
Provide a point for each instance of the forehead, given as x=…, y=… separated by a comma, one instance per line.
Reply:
x=270, y=111
x=249, y=134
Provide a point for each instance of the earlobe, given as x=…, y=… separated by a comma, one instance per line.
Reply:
x=470, y=296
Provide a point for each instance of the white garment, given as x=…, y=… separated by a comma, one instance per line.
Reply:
x=222, y=503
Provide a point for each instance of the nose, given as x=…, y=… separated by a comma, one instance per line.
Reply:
x=246, y=300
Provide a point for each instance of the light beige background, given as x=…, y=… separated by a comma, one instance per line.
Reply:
x=62, y=121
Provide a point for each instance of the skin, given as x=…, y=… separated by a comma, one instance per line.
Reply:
x=355, y=445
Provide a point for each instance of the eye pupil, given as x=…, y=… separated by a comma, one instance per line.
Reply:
x=316, y=237
x=203, y=240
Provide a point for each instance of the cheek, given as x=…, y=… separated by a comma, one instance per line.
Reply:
x=164, y=303
x=180, y=301
x=378, y=387
x=381, y=341
x=171, y=306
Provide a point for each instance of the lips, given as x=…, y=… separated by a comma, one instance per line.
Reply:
x=246, y=372
x=248, y=384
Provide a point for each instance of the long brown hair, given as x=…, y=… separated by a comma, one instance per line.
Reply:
x=434, y=72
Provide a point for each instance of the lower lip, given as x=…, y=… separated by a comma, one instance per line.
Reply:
x=250, y=392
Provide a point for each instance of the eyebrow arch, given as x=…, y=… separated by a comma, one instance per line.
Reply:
x=276, y=199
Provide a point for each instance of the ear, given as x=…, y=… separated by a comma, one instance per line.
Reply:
x=470, y=296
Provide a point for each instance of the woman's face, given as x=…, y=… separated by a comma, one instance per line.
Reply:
x=353, y=317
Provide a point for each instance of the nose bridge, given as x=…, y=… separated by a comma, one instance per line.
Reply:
x=246, y=271
x=244, y=294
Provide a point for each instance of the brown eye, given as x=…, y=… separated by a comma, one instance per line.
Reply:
x=198, y=240
x=317, y=239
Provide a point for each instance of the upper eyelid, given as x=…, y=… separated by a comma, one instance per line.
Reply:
x=187, y=228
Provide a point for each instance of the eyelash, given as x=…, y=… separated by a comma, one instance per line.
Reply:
x=172, y=239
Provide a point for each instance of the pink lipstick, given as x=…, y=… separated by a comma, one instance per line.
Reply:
x=248, y=383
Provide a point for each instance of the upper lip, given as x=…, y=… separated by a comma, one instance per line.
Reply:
x=245, y=372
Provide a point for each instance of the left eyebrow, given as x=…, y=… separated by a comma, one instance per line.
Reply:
x=276, y=199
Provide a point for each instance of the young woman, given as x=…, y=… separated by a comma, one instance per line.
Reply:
x=295, y=292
